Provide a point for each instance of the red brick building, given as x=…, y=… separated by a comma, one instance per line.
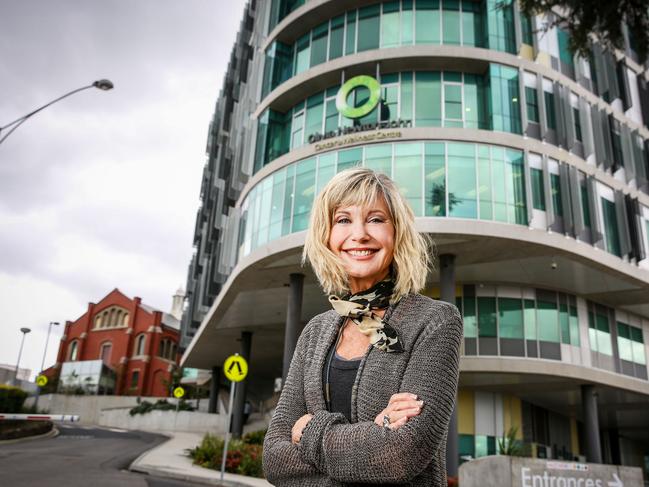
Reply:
x=138, y=344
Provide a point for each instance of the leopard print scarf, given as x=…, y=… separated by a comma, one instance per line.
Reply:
x=358, y=307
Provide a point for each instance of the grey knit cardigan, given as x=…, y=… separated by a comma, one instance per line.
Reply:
x=334, y=452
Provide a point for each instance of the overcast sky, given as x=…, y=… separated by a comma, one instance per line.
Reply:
x=101, y=189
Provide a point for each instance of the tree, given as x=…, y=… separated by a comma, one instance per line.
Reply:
x=603, y=18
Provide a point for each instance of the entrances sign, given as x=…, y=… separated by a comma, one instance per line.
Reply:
x=505, y=471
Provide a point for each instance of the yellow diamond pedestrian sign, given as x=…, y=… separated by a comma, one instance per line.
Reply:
x=235, y=368
x=179, y=392
x=41, y=380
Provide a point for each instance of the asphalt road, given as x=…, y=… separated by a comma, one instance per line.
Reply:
x=80, y=457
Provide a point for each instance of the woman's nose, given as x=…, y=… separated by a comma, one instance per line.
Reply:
x=359, y=231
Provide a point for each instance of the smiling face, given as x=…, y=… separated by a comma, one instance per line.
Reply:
x=363, y=238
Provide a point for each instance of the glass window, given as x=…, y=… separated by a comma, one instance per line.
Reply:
x=550, y=116
x=564, y=323
x=470, y=324
x=390, y=25
x=319, y=43
x=637, y=343
x=530, y=319
x=408, y=174
x=472, y=34
x=504, y=96
x=527, y=30
x=538, y=190
x=451, y=21
x=624, y=342
x=428, y=111
x=314, y=114
x=499, y=179
x=585, y=205
x=407, y=35
x=304, y=193
x=368, y=28
x=452, y=105
x=135, y=379
x=473, y=97
x=500, y=25
x=349, y=158
x=389, y=108
x=555, y=186
x=485, y=183
x=487, y=317
x=332, y=117
x=466, y=447
x=406, y=96
x=336, y=37
x=462, y=180
x=277, y=205
x=297, y=129
x=481, y=448
x=564, y=51
x=435, y=179
x=574, y=326
x=427, y=21
x=547, y=317
x=326, y=170
x=379, y=158
x=532, y=103
x=510, y=314
x=604, y=344
x=350, y=39
x=302, y=54
x=610, y=227
x=289, y=191
x=577, y=123
x=516, y=203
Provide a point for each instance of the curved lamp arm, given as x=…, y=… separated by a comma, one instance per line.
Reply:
x=102, y=84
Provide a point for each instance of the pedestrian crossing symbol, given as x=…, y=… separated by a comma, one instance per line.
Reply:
x=41, y=380
x=235, y=368
x=179, y=392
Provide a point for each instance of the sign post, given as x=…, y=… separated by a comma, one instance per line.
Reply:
x=235, y=368
x=179, y=392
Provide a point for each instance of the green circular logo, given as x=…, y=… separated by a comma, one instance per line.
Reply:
x=350, y=85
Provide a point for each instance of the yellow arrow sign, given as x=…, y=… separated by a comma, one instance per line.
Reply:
x=235, y=368
x=179, y=392
x=41, y=380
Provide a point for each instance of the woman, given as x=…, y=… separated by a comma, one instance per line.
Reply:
x=372, y=383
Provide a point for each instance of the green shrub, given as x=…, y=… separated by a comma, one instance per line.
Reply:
x=160, y=405
x=11, y=399
x=243, y=458
x=254, y=437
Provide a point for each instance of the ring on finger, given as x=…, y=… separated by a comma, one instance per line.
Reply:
x=386, y=421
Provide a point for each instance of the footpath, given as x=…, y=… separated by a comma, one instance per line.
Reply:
x=170, y=460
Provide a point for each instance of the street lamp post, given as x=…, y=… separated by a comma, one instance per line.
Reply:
x=102, y=84
x=20, y=352
x=47, y=340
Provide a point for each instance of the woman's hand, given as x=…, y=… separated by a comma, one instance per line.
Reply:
x=400, y=408
x=298, y=427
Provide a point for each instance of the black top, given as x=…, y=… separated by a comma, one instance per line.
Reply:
x=342, y=374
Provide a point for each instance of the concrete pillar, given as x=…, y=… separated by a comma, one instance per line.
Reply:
x=591, y=424
x=213, y=405
x=447, y=293
x=240, y=388
x=293, y=328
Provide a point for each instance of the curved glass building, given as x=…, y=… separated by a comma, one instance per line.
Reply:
x=528, y=166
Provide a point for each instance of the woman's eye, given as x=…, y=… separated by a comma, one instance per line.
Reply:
x=376, y=219
x=343, y=220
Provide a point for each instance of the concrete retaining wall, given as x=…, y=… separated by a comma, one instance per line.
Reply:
x=89, y=407
x=161, y=421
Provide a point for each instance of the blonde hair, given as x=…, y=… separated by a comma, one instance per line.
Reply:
x=361, y=186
